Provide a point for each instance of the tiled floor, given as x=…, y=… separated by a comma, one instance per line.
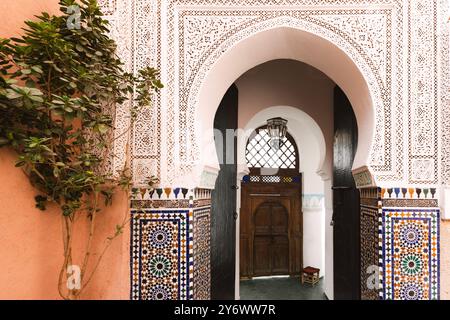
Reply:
x=285, y=288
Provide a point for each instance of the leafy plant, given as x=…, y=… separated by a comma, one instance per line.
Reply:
x=60, y=84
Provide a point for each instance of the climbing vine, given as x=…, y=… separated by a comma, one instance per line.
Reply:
x=60, y=84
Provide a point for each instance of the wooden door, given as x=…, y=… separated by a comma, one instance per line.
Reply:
x=346, y=233
x=223, y=223
x=271, y=240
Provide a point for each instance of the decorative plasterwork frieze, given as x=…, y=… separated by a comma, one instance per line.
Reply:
x=313, y=20
x=422, y=104
x=444, y=87
x=393, y=42
x=135, y=26
x=108, y=6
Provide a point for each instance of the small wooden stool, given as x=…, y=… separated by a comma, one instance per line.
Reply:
x=310, y=275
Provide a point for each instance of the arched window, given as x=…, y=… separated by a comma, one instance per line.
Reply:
x=259, y=154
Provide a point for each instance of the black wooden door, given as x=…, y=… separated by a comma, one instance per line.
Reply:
x=223, y=223
x=346, y=235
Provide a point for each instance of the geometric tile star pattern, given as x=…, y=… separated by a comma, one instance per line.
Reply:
x=160, y=251
x=410, y=252
x=170, y=246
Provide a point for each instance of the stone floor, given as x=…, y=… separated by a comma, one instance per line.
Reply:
x=276, y=288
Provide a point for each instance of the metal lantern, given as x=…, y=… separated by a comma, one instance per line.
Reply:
x=276, y=127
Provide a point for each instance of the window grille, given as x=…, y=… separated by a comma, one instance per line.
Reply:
x=259, y=154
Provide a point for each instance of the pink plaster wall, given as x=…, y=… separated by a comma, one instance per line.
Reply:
x=30, y=240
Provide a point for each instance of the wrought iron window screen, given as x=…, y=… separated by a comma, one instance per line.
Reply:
x=259, y=154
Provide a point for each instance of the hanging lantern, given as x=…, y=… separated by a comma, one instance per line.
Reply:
x=276, y=127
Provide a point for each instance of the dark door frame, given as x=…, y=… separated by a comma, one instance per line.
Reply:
x=223, y=204
x=346, y=203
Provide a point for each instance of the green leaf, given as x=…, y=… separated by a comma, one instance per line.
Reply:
x=20, y=163
x=40, y=202
x=35, y=91
x=57, y=68
x=11, y=81
x=58, y=102
x=36, y=99
x=102, y=128
x=12, y=94
x=37, y=69
x=3, y=141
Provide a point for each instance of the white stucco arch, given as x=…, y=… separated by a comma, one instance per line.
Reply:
x=285, y=38
x=282, y=38
x=306, y=132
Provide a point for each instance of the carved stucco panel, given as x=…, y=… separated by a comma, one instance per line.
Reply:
x=301, y=20
x=423, y=101
x=393, y=42
x=444, y=88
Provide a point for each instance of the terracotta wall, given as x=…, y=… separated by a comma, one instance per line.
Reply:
x=30, y=240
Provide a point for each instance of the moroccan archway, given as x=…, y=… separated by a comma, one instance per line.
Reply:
x=288, y=39
x=386, y=53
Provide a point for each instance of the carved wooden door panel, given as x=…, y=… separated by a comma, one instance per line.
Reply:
x=270, y=230
x=262, y=241
x=271, y=240
x=280, y=239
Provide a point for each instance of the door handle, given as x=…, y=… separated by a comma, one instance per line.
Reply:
x=234, y=187
x=235, y=215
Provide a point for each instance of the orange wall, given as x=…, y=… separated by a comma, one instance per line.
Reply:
x=31, y=250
